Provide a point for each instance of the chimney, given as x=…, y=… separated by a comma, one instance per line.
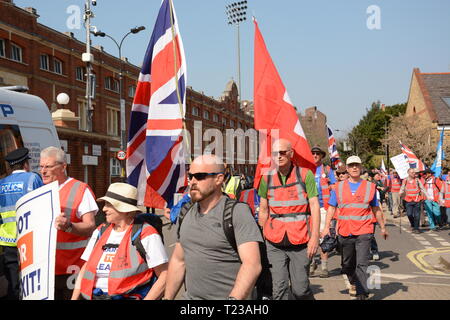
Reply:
x=32, y=10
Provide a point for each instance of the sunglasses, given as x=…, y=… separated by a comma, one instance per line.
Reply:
x=281, y=153
x=202, y=175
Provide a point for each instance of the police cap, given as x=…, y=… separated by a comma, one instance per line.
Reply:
x=17, y=156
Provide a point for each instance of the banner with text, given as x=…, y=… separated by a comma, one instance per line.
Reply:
x=36, y=242
x=401, y=165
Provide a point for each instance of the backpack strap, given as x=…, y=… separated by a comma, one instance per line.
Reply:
x=228, y=222
x=183, y=212
x=136, y=231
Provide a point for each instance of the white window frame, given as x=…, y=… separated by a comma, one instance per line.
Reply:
x=206, y=114
x=215, y=117
x=14, y=53
x=195, y=111
x=114, y=167
x=112, y=84
x=43, y=62
x=59, y=63
x=131, y=91
x=80, y=71
x=231, y=123
x=224, y=121
x=112, y=120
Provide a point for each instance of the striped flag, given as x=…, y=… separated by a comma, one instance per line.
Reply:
x=155, y=152
x=413, y=161
x=332, y=149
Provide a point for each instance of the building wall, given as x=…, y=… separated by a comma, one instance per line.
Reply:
x=21, y=27
x=416, y=105
x=314, y=125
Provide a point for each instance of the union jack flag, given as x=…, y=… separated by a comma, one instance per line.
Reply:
x=155, y=152
x=413, y=161
x=332, y=149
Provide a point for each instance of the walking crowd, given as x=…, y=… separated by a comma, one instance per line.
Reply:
x=232, y=241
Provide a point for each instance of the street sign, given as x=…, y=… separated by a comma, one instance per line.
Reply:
x=121, y=155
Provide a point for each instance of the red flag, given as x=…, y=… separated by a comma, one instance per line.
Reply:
x=274, y=111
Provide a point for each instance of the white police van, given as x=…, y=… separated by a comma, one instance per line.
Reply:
x=25, y=121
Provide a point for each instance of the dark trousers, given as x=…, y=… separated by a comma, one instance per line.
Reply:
x=373, y=243
x=62, y=291
x=355, y=260
x=11, y=271
x=413, y=213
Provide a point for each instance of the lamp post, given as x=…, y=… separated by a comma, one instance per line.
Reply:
x=121, y=100
x=237, y=13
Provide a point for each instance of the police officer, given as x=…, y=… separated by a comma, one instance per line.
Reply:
x=12, y=188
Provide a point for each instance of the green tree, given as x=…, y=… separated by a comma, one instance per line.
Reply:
x=367, y=137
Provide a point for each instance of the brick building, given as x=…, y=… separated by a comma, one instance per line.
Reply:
x=49, y=62
x=314, y=124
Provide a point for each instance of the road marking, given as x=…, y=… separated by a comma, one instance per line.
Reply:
x=445, y=244
x=425, y=243
x=398, y=276
x=420, y=238
x=417, y=257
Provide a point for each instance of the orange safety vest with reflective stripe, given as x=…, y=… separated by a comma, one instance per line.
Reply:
x=412, y=190
x=288, y=208
x=446, y=193
x=128, y=269
x=436, y=184
x=248, y=196
x=395, y=185
x=70, y=247
x=324, y=183
x=355, y=213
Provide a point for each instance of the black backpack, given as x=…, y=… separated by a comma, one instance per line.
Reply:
x=149, y=218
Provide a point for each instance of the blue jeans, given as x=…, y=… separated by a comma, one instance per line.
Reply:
x=413, y=213
x=433, y=212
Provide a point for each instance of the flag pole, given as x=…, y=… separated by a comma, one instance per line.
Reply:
x=175, y=56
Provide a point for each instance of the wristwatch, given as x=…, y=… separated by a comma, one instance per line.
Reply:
x=231, y=298
x=69, y=228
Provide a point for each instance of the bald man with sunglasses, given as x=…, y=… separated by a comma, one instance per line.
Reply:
x=203, y=257
x=290, y=217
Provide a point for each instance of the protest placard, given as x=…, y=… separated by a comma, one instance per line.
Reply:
x=401, y=165
x=36, y=213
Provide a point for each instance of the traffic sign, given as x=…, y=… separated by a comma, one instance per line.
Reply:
x=121, y=155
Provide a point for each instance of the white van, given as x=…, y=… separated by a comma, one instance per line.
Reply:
x=25, y=121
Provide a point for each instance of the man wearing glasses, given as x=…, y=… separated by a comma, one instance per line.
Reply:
x=289, y=215
x=76, y=222
x=358, y=210
x=204, y=258
x=325, y=179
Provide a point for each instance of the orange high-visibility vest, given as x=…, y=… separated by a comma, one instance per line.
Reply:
x=446, y=193
x=355, y=213
x=70, y=247
x=412, y=190
x=396, y=184
x=324, y=184
x=128, y=269
x=288, y=208
x=248, y=196
x=436, y=184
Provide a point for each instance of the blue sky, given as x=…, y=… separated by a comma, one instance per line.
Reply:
x=323, y=49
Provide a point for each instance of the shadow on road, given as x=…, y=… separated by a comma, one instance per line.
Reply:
x=387, y=290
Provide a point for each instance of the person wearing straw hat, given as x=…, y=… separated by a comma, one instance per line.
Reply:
x=12, y=188
x=115, y=268
x=76, y=221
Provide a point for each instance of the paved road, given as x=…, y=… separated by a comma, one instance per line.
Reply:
x=411, y=267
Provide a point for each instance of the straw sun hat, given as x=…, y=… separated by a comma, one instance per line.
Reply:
x=122, y=196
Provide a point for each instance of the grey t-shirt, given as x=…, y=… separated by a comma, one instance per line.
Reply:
x=211, y=262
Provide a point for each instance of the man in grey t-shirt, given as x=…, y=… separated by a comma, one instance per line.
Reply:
x=203, y=257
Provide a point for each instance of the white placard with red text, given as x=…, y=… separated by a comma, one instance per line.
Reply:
x=36, y=241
